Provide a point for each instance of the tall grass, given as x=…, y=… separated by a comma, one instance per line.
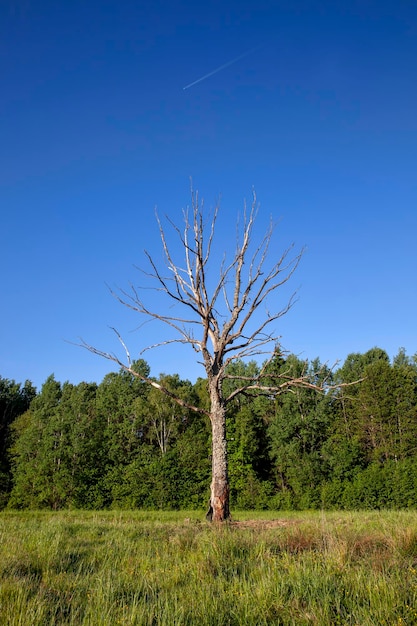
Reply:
x=111, y=568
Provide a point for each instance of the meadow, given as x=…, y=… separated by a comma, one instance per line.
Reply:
x=158, y=568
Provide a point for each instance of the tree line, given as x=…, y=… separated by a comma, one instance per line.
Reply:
x=123, y=444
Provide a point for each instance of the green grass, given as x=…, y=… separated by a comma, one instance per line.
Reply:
x=110, y=568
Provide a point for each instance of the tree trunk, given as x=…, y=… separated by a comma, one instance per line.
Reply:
x=219, y=500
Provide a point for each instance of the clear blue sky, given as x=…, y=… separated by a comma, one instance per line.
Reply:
x=320, y=117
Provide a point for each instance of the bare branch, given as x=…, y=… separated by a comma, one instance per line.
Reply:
x=110, y=356
x=220, y=318
x=288, y=383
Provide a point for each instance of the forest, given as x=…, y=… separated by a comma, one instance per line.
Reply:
x=121, y=444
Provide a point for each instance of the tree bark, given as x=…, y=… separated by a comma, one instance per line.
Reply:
x=219, y=510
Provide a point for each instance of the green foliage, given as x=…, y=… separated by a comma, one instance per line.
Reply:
x=248, y=445
x=123, y=444
x=14, y=401
x=298, y=433
x=57, y=452
x=157, y=450
x=378, y=486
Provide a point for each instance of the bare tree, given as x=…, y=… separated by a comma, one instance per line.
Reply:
x=222, y=319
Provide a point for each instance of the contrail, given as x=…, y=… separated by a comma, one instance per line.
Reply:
x=222, y=67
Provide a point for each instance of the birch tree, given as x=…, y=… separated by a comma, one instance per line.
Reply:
x=223, y=316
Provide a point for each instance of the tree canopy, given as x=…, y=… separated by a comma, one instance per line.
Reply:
x=121, y=444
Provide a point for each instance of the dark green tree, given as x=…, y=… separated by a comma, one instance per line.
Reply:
x=34, y=452
x=15, y=399
x=157, y=449
x=57, y=451
x=298, y=431
x=82, y=454
x=121, y=397
x=372, y=444
x=248, y=445
x=347, y=435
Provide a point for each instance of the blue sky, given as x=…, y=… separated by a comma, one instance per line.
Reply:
x=96, y=130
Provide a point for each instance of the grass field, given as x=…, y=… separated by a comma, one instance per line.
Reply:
x=110, y=568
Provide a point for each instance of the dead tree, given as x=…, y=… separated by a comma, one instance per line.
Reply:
x=223, y=323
